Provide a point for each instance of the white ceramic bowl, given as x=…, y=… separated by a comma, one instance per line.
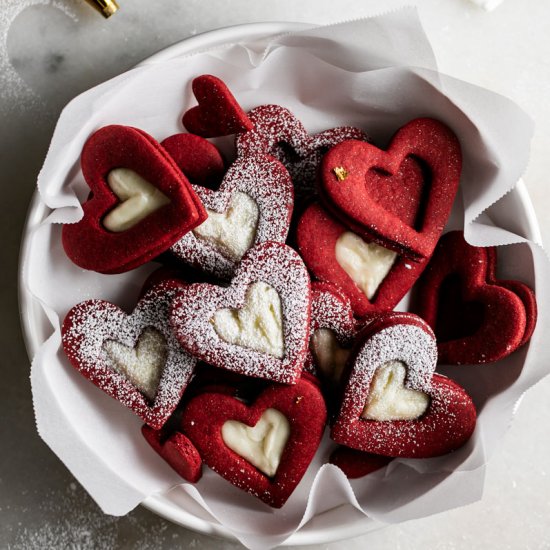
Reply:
x=338, y=523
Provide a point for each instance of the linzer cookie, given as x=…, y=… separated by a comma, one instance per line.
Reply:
x=393, y=403
x=178, y=451
x=140, y=202
x=259, y=325
x=476, y=317
x=333, y=329
x=400, y=197
x=200, y=161
x=133, y=358
x=277, y=132
x=374, y=278
x=253, y=205
x=263, y=448
x=218, y=112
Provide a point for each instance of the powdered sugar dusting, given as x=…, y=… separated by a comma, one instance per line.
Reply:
x=274, y=264
x=90, y=324
x=265, y=181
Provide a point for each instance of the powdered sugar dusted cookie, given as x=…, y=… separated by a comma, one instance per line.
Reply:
x=140, y=202
x=253, y=205
x=476, y=317
x=279, y=133
x=333, y=329
x=134, y=358
x=401, y=197
x=393, y=404
x=263, y=448
x=259, y=325
x=178, y=451
x=374, y=278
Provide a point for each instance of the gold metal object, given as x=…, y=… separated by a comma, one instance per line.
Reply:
x=105, y=7
x=340, y=172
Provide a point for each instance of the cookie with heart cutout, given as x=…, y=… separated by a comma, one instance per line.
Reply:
x=218, y=112
x=393, y=403
x=258, y=325
x=200, y=161
x=356, y=464
x=253, y=205
x=277, y=132
x=476, y=317
x=264, y=447
x=374, y=278
x=140, y=202
x=177, y=450
x=401, y=197
x=133, y=358
x=332, y=331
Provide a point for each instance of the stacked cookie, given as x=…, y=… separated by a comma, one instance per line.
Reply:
x=273, y=314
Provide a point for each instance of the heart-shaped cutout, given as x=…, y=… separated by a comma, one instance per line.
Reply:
x=274, y=265
x=262, y=444
x=253, y=205
x=335, y=255
x=218, y=112
x=277, y=132
x=476, y=317
x=401, y=197
x=90, y=244
x=98, y=337
x=302, y=407
x=448, y=420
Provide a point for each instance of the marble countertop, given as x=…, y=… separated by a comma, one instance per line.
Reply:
x=51, y=50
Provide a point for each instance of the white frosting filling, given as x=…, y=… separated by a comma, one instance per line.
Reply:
x=366, y=263
x=258, y=325
x=263, y=444
x=142, y=365
x=389, y=399
x=487, y=5
x=231, y=232
x=138, y=198
x=330, y=358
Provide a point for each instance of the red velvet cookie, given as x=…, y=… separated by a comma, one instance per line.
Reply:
x=140, y=202
x=332, y=331
x=358, y=267
x=259, y=325
x=393, y=403
x=133, y=358
x=276, y=131
x=263, y=448
x=476, y=317
x=178, y=451
x=253, y=205
x=401, y=197
x=356, y=464
x=199, y=160
x=218, y=112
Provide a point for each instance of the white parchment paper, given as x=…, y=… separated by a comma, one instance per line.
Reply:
x=376, y=74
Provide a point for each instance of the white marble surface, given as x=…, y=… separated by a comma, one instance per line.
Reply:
x=52, y=50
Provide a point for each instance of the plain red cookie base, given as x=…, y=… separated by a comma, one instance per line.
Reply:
x=356, y=464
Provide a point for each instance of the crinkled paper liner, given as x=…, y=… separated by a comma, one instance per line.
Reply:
x=373, y=73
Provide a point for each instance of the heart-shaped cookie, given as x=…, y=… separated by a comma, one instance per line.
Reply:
x=476, y=318
x=372, y=277
x=393, y=404
x=253, y=205
x=356, y=464
x=277, y=132
x=133, y=358
x=278, y=434
x=200, y=161
x=401, y=197
x=207, y=322
x=140, y=202
x=218, y=112
x=178, y=451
